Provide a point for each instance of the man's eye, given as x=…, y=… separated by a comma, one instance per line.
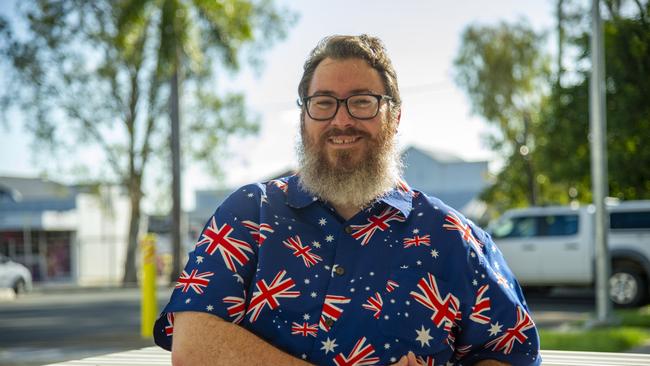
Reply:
x=361, y=102
x=323, y=104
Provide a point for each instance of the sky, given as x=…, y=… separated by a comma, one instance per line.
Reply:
x=422, y=38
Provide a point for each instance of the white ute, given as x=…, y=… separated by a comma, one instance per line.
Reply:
x=554, y=246
x=14, y=276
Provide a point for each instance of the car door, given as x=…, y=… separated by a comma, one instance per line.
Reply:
x=515, y=236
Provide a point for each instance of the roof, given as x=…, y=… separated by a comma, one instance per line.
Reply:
x=435, y=154
x=34, y=194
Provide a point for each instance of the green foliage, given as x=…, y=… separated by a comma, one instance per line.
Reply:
x=557, y=166
x=597, y=340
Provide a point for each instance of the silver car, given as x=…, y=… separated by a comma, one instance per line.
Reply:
x=14, y=276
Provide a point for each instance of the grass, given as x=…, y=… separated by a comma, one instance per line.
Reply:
x=633, y=330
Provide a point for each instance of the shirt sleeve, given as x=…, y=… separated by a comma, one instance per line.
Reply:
x=220, y=267
x=496, y=322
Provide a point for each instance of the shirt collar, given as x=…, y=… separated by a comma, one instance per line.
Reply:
x=400, y=197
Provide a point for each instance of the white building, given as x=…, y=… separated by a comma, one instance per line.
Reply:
x=72, y=234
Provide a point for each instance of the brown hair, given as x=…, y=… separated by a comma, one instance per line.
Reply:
x=368, y=48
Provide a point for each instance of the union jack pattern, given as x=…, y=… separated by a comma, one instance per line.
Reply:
x=374, y=304
x=304, y=329
x=391, y=285
x=331, y=310
x=195, y=281
x=258, y=231
x=302, y=251
x=376, y=222
x=444, y=310
x=169, y=327
x=455, y=223
x=280, y=184
x=506, y=341
x=481, y=306
x=359, y=356
x=281, y=264
x=218, y=238
x=268, y=295
x=416, y=241
x=237, y=308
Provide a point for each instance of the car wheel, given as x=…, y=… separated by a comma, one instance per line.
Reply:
x=627, y=288
x=20, y=287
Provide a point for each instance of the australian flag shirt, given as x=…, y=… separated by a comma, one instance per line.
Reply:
x=406, y=274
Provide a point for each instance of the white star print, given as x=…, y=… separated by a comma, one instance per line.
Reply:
x=307, y=281
x=495, y=329
x=367, y=288
x=306, y=317
x=315, y=244
x=419, y=263
x=387, y=346
x=313, y=294
x=250, y=195
x=475, y=283
x=393, y=360
x=322, y=221
x=386, y=317
x=372, y=273
x=199, y=259
x=188, y=301
x=407, y=302
x=329, y=238
x=209, y=308
x=329, y=345
x=434, y=253
x=423, y=336
x=496, y=265
x=472, y=254
x=304, y=356
x=420, y=214
x=352, y=289
x=392, y=301
x=406, y=315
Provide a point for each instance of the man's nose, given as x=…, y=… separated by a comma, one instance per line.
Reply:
x=342, y=117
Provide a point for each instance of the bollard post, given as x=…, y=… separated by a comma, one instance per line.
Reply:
x=148, y=306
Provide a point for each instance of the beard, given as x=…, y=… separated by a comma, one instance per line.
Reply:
x=342, y=177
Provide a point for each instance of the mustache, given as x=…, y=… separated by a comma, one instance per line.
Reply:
x=350, y=131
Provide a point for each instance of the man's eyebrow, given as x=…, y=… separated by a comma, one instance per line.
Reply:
x=354, y=91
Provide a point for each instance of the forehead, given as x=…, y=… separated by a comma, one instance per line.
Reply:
x=343, y=77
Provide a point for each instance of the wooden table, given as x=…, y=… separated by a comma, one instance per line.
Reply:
x=157, y=356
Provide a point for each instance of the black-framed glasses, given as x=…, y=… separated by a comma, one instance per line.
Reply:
x=359, y=106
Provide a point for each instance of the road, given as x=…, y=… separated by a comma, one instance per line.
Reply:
x=46, y=327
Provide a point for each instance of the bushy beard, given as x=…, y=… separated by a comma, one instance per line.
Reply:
x=349, y=180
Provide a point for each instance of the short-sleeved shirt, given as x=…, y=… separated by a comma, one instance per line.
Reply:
x=406, y=274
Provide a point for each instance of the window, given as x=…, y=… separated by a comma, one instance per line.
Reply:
x=630, y=220
x=558, y=225
x=518, y=227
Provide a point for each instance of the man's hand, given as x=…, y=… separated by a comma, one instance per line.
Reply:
x=407, y=360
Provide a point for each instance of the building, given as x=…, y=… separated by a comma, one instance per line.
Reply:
x=73, y=234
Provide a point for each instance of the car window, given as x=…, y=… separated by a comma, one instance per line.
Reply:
x=517, y=227
x=630, y=220
x=558, y=225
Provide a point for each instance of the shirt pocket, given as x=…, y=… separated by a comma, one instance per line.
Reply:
x=422, y=312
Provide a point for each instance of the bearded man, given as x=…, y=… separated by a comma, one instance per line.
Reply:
x=343, y=263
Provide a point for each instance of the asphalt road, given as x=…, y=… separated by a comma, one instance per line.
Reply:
x=47, y=327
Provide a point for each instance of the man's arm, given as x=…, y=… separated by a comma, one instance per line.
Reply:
x=204, y=339
x=491, y=363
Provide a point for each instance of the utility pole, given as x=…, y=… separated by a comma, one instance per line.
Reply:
x=598, y=123
x=176, y=174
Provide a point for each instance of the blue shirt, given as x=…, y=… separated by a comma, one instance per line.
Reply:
x=407, y=274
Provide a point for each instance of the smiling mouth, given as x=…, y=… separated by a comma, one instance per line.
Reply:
x=343, y=140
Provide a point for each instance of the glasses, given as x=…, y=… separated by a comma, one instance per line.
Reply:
x=359, y=106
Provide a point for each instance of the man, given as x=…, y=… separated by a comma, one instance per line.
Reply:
x=343, y=263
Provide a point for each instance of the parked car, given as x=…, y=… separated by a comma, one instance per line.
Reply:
x=554, y=246
x=14, y=276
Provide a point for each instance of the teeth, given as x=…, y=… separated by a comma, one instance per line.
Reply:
x=338, y=140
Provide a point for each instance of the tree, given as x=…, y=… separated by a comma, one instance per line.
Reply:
x=506, y=76
x=563, y=148
x=96, y=73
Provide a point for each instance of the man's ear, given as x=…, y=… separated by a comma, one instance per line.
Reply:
x=399, y=117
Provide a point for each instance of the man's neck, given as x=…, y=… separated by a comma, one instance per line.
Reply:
x=346, y=211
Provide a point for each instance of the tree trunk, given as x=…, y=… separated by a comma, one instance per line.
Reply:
x=130, y=275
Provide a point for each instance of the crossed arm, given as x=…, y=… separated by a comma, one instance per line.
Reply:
x=203, y=339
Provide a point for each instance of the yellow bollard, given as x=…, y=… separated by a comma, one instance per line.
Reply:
x=148, y=306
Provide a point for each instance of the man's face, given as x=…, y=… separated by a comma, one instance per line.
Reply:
x=345, y=142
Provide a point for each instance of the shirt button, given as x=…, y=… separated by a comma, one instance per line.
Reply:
x=348, y=229
x=339, y=270
x=329, y=322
